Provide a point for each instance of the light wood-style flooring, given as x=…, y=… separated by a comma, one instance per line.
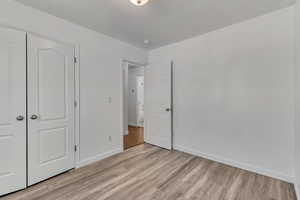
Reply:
x=147, y=172
x=135, y=137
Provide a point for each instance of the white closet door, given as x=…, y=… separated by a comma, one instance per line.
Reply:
x=158, y=104
x=12, y=110
x=50, y=108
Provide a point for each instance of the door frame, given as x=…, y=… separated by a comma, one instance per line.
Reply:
x=77, y=107
x=124, y=65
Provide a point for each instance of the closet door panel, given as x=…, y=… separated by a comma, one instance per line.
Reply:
x=50, y=108
x=12, y=110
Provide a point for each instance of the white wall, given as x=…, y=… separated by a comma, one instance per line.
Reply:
x=100, y=74
x=133, y=73
x=233, y=93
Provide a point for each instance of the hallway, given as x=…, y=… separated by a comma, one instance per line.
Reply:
x=134, y=137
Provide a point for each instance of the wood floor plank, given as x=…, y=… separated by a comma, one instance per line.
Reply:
x=146, y=172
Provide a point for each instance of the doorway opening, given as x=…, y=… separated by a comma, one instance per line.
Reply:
x=133, y=105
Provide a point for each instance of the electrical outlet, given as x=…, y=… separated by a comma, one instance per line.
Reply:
x=110, y=138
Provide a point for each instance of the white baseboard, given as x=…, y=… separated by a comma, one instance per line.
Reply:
x=244, y=166
x=132, y=124
x=135, y=125
x=247, y=167
x=98, y=157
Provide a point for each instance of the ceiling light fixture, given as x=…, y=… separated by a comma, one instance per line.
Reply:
x=139, y=2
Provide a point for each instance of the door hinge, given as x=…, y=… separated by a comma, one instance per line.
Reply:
x=75, y=59
x=75, y=104
x=75, y=148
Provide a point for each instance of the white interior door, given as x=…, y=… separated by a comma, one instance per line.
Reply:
x=158, y=104
x=50, y=108
x=12, y=110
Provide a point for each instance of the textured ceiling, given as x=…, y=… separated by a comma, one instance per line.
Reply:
x=160, y=21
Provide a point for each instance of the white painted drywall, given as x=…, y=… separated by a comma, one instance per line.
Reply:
x=100, y=75
x=133, y=73
x=233, y=93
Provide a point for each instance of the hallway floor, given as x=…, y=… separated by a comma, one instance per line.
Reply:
x=134, y=137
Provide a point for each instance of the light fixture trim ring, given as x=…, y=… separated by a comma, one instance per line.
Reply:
x=139, y=2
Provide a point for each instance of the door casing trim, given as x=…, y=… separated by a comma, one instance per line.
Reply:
x=122, y=61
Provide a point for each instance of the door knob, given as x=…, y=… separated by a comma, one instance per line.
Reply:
x=168, y=109
x=20, y=118
x=34, y=117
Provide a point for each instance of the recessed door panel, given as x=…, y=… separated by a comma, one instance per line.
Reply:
x=52, y=84
x=5, y=106
x=50, y=108
x=6, y=142
x=12, y=106
x=57, y=136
